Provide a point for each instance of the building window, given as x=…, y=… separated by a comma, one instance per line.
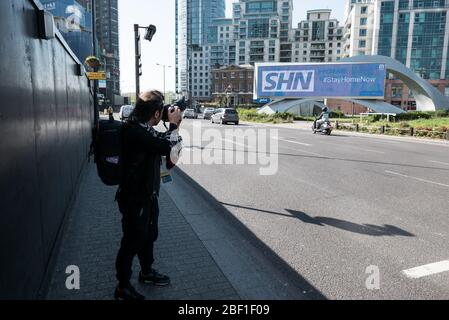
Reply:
x=363, y=21
x=362, y=43
x=362, y=32
x=364, y=10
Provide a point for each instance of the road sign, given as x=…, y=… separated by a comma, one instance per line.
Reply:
x=96, y=75
x=262, y=100
x=102, y=84
x=325, y=80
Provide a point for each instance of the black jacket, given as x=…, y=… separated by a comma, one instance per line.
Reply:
x=142, y=150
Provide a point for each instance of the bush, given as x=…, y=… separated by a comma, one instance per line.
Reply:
x=441, y=113
x=252, y=115
x=301, y=118
x=248, y=106
x=414, y=115
x=337, y=114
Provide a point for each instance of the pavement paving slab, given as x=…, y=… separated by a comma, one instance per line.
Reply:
x=91, y=240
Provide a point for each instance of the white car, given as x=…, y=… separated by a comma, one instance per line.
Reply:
x=125, y=112
x=190, y=114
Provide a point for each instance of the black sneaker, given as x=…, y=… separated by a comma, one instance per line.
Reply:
x=155, y=278
x=128, y=293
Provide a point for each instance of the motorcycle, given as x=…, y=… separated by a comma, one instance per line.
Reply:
x=326, y=128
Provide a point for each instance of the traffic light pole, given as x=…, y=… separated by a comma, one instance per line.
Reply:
x=150, y=31
x=137, y=50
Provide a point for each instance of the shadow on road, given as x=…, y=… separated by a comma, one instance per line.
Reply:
x=365, y=229
x=297, y=282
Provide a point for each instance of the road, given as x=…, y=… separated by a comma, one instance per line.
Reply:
x=353, y=215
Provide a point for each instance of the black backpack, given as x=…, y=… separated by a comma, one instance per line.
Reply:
x=107, y=149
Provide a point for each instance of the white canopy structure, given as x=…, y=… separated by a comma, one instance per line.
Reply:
x=428, y=98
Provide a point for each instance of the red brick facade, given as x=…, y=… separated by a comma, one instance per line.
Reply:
x=235, y=82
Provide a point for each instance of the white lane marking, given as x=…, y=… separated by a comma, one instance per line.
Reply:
x=291, y=141
x=303, y=151
x=417, y=179
x=388, y=141
x=427, y=270
x=248, y=147
x=234, y=142
x=369, y=150
x=439, y=162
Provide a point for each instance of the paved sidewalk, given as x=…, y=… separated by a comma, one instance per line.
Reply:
x=91, y=240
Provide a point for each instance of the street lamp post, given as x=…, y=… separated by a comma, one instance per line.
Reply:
x=150, y=31
x=94, y=51
x=164, y=66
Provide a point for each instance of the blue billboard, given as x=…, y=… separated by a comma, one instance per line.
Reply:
x=75, y=24
x=76, y=16
x=324, y=80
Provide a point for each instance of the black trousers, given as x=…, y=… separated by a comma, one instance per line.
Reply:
x=140, y=231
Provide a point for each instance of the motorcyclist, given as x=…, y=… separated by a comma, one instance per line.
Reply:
x=323, y=118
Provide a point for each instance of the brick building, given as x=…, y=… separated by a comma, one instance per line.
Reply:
x=235, y=83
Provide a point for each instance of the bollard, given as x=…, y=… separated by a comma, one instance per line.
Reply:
x=357, y=127
x=336, y=125
x=382, y=129
x=412, y=132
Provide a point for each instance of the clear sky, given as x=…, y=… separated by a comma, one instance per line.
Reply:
x=162, y=49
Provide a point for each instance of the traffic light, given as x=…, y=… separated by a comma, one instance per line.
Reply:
x=151, y=30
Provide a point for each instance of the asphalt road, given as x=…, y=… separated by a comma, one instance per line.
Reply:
x=340, y=208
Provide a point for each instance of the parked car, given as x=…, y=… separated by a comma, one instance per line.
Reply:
x=225, y=115
x=190, y=114
x=125, y=112
x=207, y=114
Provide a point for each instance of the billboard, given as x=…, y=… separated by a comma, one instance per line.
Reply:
x=76, y=16
x=323, y=80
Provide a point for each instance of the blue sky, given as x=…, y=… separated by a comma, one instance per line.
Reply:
x=162, y=49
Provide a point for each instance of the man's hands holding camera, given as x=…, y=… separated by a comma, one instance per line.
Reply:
x=175, y=116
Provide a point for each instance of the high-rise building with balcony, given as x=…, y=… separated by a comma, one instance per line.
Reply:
x=263, y=30
x=416, y=33
x=107, y=30
x=193, y=21
x=318, y=39
x=259, y=31
x=359, y=28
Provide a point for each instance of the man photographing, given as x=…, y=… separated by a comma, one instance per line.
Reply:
x=137, y=196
